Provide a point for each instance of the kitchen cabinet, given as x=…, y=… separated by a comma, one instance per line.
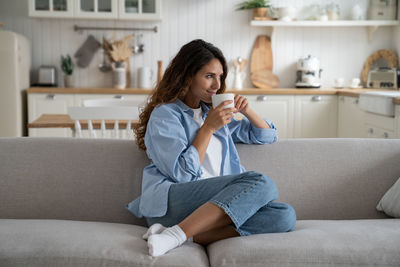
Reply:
x=397, y=120
x=295, y=115
x=378, y=126
x=51, y=8
x=371, y=131
x=140, y=9
x=315, y=116
x=350, y=118
x=39, y=104
x=79, y=98
x=102, y=9
x=278, y=109
x=96, y=9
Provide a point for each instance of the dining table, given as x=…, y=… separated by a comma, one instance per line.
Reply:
x=65, y=121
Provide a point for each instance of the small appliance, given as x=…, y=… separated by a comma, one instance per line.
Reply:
x=383, y=78
x=382, y=9
x=47, y=76
x=308, y=73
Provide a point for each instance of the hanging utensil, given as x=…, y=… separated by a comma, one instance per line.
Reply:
x=105, y=66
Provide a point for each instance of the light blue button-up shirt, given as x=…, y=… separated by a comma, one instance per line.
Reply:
x=169, y=135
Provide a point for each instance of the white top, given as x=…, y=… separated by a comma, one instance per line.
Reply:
x=211, y=165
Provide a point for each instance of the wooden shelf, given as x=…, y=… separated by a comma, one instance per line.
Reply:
x=331, y=23
x=371, y=25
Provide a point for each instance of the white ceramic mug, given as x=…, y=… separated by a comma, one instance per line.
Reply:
x=355, y=83
x=145, y=75
x=357, y=13
x=217, y=99
x=339, y=82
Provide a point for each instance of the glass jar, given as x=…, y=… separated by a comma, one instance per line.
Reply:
x=333, y=11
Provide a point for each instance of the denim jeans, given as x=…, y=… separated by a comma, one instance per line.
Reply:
x=247, y=198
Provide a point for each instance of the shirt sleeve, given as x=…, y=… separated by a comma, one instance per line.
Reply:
x=243, y=131
x=169, y=148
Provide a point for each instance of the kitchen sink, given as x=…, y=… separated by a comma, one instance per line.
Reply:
x=378, y=102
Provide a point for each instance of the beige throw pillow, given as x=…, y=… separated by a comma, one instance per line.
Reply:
x=390, y=202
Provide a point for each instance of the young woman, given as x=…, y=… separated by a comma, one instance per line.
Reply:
x=195, y=187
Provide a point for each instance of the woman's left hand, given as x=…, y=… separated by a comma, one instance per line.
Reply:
x=241, y=104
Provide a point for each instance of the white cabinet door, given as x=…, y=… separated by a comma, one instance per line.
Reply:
x=79, y=98
x=373, y=131
x=140, y=9
x=278, y=109
x=39, y=104
x=51, y=8
x=98, y=9
x=397, y=120
x=315, y=116
x=350, y=118
x=379, y=126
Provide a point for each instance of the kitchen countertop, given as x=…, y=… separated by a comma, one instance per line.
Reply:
x=245, y=91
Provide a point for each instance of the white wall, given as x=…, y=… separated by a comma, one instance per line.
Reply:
x=341, y=50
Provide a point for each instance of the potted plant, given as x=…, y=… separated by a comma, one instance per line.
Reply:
x=260, y=7
x=67, y=67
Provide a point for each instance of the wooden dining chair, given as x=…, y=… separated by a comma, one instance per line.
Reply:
x=106, y=115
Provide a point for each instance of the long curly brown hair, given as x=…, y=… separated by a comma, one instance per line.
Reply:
x=178, y=78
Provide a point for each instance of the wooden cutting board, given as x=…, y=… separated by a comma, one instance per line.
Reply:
x=264, y=79
x=261, y=56
x=262, y=63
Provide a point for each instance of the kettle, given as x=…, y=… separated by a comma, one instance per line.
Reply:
x=308, y=72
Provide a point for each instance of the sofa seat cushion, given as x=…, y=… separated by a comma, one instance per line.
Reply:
x=78, y=243
x=315, y=243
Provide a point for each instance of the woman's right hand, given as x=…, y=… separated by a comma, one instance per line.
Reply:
x=219, y=116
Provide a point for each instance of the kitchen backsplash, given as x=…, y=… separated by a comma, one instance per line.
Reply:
x=341, y=50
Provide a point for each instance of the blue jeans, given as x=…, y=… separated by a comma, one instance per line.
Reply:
x=247, y=198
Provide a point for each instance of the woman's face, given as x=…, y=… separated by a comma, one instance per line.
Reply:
x=205, y=84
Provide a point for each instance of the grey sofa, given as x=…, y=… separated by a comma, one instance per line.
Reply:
x=62, y=203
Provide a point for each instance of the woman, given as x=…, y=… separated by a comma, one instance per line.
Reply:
x=195, y=184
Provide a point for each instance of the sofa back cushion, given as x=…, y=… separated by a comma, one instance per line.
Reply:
x=93, y=180
x=328, y=178
x=67, y=178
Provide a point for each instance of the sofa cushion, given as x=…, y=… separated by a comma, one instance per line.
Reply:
x=390, y=202
x=77, y=243
x=332, y=179
x=315, y=243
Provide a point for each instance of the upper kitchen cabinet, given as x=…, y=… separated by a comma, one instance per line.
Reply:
x=140, y=9
x=51, y=8
x=100, y=9
x=96, y=9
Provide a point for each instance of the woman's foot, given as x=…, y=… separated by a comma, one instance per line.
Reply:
x=170, y=238
x=154, y=229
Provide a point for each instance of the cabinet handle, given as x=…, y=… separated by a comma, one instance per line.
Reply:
x=370, y=130
x=342, y=98
x=262, y=98
x=119, y=97
x=316, y=98
x=51, y=96
x=385, y=135
x=356, y=101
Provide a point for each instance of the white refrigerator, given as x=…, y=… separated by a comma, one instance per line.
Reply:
x=14, y=80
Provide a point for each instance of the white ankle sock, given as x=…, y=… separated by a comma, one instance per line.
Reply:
x=154, y=229
x=170, y=238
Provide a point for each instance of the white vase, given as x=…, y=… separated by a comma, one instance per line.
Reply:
x=119, y=76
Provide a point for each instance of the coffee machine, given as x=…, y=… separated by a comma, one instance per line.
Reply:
x=308, y=73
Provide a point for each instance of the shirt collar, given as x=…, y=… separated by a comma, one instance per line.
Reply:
x=204, y=107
